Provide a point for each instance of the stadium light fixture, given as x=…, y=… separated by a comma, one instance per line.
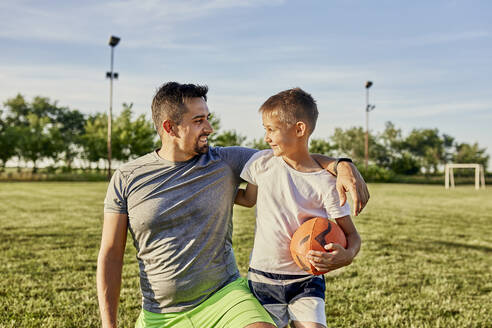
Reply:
x=113, y=42
x=369, y=108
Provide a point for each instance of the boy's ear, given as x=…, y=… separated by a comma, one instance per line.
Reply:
x=301, y=129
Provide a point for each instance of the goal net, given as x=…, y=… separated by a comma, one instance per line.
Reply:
x=449, y=174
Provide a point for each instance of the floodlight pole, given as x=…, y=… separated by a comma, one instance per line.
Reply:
x=113, y=41
x=368, y=109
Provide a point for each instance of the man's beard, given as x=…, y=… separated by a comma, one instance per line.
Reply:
x=201, y=149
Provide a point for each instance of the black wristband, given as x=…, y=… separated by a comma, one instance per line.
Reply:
x=341, y=159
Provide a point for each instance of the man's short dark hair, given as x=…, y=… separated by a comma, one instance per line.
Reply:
x=291, y=106
x=169, y=102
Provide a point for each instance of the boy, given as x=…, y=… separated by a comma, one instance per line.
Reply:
x=290, y=187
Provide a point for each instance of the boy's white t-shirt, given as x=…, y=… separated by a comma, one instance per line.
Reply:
x=286, y=198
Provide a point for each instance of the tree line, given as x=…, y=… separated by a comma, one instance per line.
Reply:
x=41, y=130
x=421, y=151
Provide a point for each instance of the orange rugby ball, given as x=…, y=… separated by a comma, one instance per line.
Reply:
x=314, y=234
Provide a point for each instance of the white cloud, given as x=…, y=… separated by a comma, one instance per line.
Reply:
x=83, y=23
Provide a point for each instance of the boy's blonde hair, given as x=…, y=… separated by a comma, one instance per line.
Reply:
x=291, y=106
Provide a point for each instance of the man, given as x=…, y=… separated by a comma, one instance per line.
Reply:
x=177, y=203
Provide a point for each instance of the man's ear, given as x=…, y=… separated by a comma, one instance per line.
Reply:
x=301, y=129
x=168, y=127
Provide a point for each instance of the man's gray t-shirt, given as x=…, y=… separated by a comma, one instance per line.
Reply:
x=180, y=218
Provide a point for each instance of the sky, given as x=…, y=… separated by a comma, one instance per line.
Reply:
x=430, y=61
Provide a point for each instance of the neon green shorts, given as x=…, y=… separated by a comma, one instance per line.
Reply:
x=233, y=306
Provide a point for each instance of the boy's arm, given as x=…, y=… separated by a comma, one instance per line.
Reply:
x=348, y=179
x=339, y=256
x=247, y=197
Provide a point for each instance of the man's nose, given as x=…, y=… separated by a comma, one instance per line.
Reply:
x=208, y=127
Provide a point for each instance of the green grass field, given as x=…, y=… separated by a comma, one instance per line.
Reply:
x=425, y=259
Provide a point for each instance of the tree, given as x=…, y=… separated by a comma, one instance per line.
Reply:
x=94, y=140
x=228, y=138
x=351, y=143
x=132, y=138
x=63, y=126
x=17, y=111
x=320, y=146
x=35, y=142
x=391, y=139
x=405, y=164
x=449, y=149
x=71, y=124
x=466, y=153
x=8, y=142
x=43, y=107
x=401, y=161
x=15, y=117
x=428, y=147
x=121, y=134
x=214, y=121
x=143, y=138
x=259, y=144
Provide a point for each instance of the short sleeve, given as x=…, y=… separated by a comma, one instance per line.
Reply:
x=235, y=157
x=116, y=200
x=255, y=165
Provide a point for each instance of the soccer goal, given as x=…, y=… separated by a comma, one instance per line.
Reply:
x=479, y=174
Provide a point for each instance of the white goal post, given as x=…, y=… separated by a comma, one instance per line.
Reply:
x=479, y=174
